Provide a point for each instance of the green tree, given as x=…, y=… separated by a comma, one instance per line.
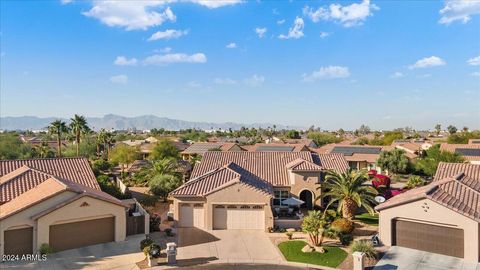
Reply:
x=452, y=129
x=314, y=224
x=79, y=127
x=415, y=181
x=164, y=149
x=394, y=161
x=12, y=148
x=107, y=139
x=428, y=164
x=124, y=155
x=162, y=184
x=348, y=189
x=292, y=134
x=438, y=128
x=58, y=127
x=462, y=138
x=322, y=138
x=43, y=150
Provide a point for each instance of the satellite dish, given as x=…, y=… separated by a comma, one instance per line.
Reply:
x=380, y=199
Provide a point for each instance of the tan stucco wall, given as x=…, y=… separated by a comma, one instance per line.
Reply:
x=306, y=181
x=23, y=218
x=436, y=214
x=68, y=213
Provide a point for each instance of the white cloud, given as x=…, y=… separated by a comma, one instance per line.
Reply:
x=119, y=79
x=475, y=61
x=224, y=81
x=296, y=31
x=397, y=75
x=475, y=74
x=123, y=61
x=324, y=34
x=261, y=31
x=231, y=45
x=279, y=22
x=350, y=15
x=216, y=3
x=459, y=10
x=130, y=15
x=326, y=73
x=163, y=59
x=168, y=34
x=426, y=62
x=255, y=80
x=66, y=2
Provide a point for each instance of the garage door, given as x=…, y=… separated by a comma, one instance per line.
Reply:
x=82, y=233
x=240, y=217
x=427, y=237
x=191, y=215
x=19, y=241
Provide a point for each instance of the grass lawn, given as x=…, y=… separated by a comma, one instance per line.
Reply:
x=292, y=250
x=368, y=219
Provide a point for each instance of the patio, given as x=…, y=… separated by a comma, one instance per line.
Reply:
x=289, y=214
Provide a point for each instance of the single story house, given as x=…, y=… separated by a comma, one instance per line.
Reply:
x=200, y=148
x=241, y=190
x=308, y=142
x=276, y=147
x=413, y=148
x=442, y=217
x=471, y=152
x=357, y=156
x=56, y=202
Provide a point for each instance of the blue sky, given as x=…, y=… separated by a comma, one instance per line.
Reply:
x=333, y=64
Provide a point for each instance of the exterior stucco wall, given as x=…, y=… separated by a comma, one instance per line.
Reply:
x=435, y=214
x=23, y=218
x=73, y=212
x=306, y=181
x=68, y=213
x=176, y=205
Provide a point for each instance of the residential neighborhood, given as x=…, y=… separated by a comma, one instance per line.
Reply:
x=240, y=134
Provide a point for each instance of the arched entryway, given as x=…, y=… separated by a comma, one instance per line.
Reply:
x=306, y=196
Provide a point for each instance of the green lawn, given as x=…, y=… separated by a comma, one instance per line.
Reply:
x=368, y=219
x=292, y=250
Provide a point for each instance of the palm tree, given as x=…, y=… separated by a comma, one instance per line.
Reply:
x=43, y=150
x=58, y=127
x=79, y=127
x=108, y=139
x=350, y=191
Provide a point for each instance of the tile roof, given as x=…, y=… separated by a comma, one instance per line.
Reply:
x=278, y=147
x=49, y=188
x=470, y=152
x=366, y=153
x=268, y=166
x=201, y=147
x=220, y=178
x=19, y=176
x=456, y=186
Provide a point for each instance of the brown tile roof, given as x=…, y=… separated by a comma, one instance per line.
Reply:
x=201, y=147
x=221, y=178
x=456, y=187
x=47, y=189
x=278, y=147
x=368, y=153
x=268, y=166
x=19, y=176
x=461, y=149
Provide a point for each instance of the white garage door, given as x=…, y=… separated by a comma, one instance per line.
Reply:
x=238, y=217
x=191, y=215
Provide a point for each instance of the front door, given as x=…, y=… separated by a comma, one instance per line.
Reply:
x=307, y=197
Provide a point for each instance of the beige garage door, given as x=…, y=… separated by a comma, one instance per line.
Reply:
x=191, y=215
x=19, y=241
x=427, y=237
x=238, y=217
x=83, y=233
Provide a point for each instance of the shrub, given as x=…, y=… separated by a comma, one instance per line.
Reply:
x=345, y=239
x=414, y=181
x=153, y=251
x=154, y=223
x=148, y=200
x=145, y=243
x=342, y=225
x=289, y=235
x=364, y=246
x=45, y=249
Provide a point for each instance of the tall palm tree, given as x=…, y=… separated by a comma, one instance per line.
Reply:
x=79, y=127
x=349, y=191
x=58, y=127
x=43, y=150
x=108, y=139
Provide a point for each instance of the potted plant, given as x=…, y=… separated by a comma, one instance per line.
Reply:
x=152, y=252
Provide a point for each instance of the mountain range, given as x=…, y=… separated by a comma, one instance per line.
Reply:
x=117, y=122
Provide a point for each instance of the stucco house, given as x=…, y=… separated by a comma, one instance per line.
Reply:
x=357, y=156
x=241, y=190
x=56, y=202
x=199, y=148
x=471, y=151
x=442, y=217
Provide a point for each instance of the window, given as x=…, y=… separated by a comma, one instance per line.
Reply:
x=280, y=195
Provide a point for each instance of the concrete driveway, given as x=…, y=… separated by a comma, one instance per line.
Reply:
x=196, y=246
x=400, y=258
x=119, y=256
